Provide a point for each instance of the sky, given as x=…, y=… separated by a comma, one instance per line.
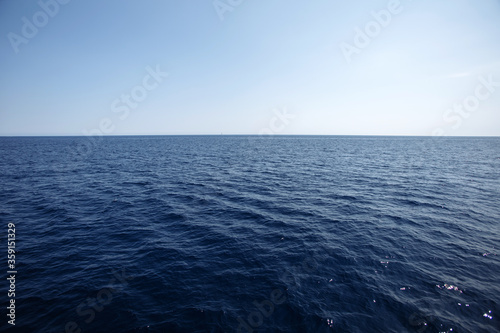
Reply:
x=323, y=67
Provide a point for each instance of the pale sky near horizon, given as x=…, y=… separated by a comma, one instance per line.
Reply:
x=432, y=66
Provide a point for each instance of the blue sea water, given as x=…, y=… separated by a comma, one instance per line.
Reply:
x=253, y=234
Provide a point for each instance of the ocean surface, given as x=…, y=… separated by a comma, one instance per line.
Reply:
x=252, y=234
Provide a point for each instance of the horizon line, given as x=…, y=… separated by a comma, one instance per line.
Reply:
x=258, y=135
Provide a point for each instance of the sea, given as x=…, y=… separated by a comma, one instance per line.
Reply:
x=251, y=234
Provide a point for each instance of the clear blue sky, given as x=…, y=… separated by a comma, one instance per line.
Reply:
x=231, y=67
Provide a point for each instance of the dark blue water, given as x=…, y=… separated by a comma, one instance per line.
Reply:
x=230, y=233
